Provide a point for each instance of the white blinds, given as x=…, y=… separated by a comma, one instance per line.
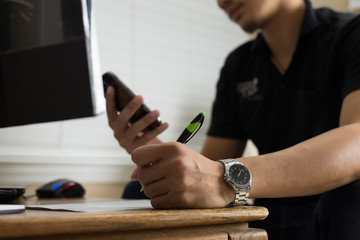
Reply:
x=169, y=51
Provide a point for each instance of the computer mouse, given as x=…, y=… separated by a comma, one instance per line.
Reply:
x=61, y=188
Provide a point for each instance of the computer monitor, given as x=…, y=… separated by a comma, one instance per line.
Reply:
x=49, y=65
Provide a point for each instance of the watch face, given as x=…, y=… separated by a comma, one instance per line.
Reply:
x=239, y=174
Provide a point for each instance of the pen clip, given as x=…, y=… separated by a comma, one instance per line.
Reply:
x=197, y=129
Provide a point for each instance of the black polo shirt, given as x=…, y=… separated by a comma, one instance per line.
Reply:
x=254, y=101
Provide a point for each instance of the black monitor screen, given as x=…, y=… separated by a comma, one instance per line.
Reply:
x=48, y=66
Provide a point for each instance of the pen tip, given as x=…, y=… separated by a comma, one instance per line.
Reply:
x=203, y=113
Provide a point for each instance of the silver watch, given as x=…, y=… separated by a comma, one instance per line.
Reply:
x=239, y=177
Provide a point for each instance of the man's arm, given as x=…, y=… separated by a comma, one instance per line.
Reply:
x=217, y=148
x=176, y=176
x=322, y=163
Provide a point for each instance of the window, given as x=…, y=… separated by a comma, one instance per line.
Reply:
x=169, y=51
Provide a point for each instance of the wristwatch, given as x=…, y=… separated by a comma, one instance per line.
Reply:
x=239, y=177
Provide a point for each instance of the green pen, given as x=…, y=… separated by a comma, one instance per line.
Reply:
x=192, y=128
x=189, y=131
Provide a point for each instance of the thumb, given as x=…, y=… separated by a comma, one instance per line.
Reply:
x=134, y=174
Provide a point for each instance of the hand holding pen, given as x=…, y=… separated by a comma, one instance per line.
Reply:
x=176, y=176
x=190, y=131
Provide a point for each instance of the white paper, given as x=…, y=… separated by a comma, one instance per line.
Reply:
x=11, y=208
x=104, y=206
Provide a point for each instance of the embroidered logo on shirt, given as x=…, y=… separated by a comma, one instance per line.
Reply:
x=249, y=90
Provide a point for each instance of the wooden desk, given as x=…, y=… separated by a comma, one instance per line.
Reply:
x=225, y=223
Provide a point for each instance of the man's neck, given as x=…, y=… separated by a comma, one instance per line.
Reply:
x=282, y=32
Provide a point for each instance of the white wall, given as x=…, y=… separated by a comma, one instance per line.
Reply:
x=170, y=51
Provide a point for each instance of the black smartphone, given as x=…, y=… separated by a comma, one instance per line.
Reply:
x=11, y=192
x=123, y=96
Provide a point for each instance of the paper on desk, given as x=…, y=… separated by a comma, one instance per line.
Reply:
x=11, y=208
x=104, y=206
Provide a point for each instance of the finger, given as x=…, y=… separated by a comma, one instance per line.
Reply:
x=152, y=172
x=144, y=122
x=110, y=105
x=144, y=155
x=140, y=155
x=156, y=189
x=161, y=177
x=165, y=195
x=173, y=199
x=123, y=120
x=148, y=136
x=134, y=174
x=131, y=108
x=163, y=202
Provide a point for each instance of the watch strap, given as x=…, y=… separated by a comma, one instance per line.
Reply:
x=241, y=194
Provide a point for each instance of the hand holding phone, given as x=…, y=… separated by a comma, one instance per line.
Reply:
x=123, y=96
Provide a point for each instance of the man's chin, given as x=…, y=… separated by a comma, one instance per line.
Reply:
x=249, y=27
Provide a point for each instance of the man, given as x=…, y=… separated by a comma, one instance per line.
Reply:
x=295, y=91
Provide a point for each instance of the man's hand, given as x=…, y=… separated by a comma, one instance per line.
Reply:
x=174, y=176
x=130, y=136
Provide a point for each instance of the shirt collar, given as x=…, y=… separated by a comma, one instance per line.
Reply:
x=310, y=21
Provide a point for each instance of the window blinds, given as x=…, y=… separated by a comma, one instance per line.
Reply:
x=169, y=51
